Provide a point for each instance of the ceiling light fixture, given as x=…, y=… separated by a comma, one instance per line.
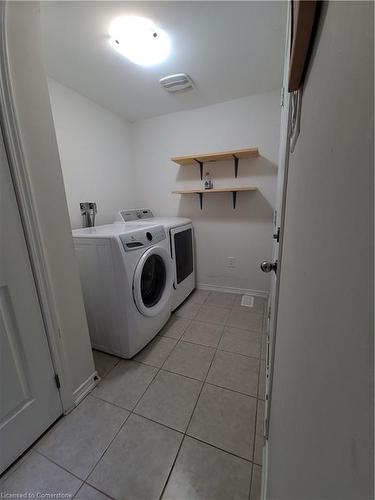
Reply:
x=138, y=39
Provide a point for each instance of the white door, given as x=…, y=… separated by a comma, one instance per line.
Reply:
x=29, y=397
x=278, y=221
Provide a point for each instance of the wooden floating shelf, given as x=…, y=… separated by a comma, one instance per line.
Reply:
x=201, y=192
x=215, y=190
x=235, y=155
x=225, y=155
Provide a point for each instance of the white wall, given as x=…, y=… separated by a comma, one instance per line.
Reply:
x=121, y=165
x=321, y=434
x=221, y=232
x=45, y=177
x=95, y=154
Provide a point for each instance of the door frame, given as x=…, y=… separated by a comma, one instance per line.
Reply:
x=286, y=106
x=29, y=219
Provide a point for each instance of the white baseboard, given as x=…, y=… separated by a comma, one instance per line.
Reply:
x=85, y=388
x=229, y=289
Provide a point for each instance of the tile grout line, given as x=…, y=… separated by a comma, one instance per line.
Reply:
x=94, y=488
x=255, y=420
x=233, y=390
x=156, y=374
x=109, y=371
x=180, y=375
x=229, y=308
x=184, y=434
x=105, y=451
x=205, y=382
x=131, y=412
x=248, y=460
x=55, y=463
x=79, y=489
x=9, y=471
x=35, y=450
x=161, y=368
x=255, y=431
x=218, y=348
x=211, y=383
x=256, y=414
x=256, y=406
x=188, y=424
x=100, y=491
x=178, y=341
x=256, y=411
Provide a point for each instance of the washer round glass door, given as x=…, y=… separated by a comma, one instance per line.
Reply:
x=153, y=279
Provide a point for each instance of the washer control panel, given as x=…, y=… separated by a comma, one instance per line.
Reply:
x=134, y=214
x=142, y=237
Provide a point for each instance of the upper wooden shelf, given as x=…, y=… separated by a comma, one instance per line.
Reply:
x=235, y=155
x=225, y=155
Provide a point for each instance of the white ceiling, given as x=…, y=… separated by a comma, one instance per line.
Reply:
x=230, y=50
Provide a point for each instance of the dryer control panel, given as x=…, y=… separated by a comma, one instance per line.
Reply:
x=143, y=237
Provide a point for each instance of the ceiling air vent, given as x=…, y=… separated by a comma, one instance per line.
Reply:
x=175, y=83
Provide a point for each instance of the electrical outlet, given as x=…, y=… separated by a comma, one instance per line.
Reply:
x=231, y=262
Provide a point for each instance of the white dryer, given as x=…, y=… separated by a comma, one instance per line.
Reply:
x=127, y=281
x=181, y=239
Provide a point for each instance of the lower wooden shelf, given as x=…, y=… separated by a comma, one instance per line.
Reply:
x=201, y=192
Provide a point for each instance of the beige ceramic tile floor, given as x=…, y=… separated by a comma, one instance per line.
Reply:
x=182, y=420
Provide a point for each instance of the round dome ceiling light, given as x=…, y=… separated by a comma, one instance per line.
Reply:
x=139, y=40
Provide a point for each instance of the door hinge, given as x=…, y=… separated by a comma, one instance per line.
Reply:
x=269, y=313
x=282, y=97
x=57, y=380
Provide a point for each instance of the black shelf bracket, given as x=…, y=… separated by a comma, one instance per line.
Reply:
x=234, y=195
x=200, y=168
x=200, y=200
x=236, y=161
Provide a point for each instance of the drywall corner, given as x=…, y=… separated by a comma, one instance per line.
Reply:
x=95, y=154
x=44, y=177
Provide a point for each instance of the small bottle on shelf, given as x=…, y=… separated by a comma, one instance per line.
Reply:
x=207, y=181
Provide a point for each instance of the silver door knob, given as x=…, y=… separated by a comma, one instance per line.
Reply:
x=267, y=267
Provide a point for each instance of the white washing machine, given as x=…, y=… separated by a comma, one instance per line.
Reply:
x=127, y=280
x=181, y=239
